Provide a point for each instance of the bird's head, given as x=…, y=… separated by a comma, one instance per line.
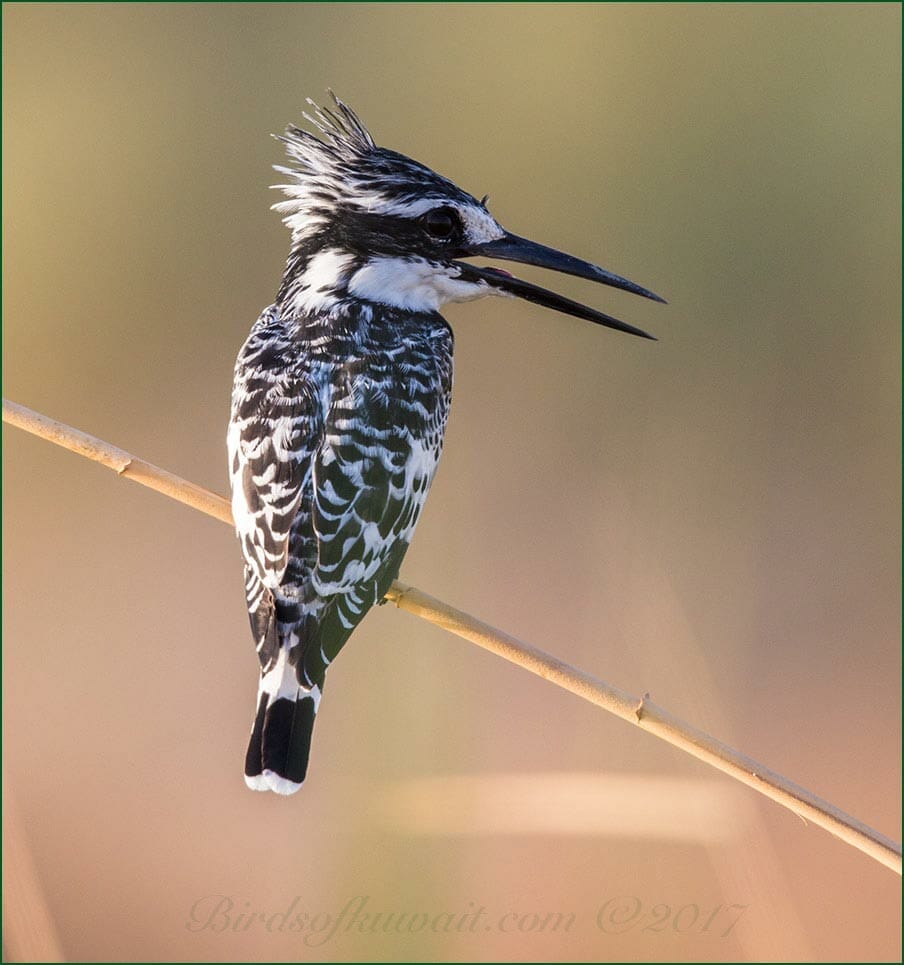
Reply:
x=372, y=225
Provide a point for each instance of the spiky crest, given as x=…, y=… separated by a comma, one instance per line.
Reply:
x=343, y=167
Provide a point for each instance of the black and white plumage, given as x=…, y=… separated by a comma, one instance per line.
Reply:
x=340, y=399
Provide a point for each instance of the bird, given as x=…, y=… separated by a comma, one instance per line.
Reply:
x=340, y=398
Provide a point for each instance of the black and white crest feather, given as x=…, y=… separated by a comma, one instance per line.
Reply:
x=343, y=167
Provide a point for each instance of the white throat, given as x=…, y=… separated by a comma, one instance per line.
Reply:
x=413, y=284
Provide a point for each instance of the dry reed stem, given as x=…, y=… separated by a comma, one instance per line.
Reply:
x=640, y=711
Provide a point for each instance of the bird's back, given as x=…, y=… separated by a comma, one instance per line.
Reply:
x=336, y=430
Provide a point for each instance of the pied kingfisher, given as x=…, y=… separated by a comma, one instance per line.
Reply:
x=340, y=400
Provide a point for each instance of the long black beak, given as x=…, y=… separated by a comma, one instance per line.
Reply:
x=512, y=248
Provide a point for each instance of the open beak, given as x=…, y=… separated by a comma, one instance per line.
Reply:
x=512, y=248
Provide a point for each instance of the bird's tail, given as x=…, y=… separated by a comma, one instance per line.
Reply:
x=277, y=757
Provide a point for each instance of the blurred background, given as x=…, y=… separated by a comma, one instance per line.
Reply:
x=713, y=518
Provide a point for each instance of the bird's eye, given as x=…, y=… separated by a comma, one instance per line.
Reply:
x=440, y=222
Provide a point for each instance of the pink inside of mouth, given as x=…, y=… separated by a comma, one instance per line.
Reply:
x=500, y=271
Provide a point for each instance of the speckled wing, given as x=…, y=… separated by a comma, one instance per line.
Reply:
x=275, y=429
x=382, y=440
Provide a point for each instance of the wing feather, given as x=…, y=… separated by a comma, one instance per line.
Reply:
x=275, y=429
